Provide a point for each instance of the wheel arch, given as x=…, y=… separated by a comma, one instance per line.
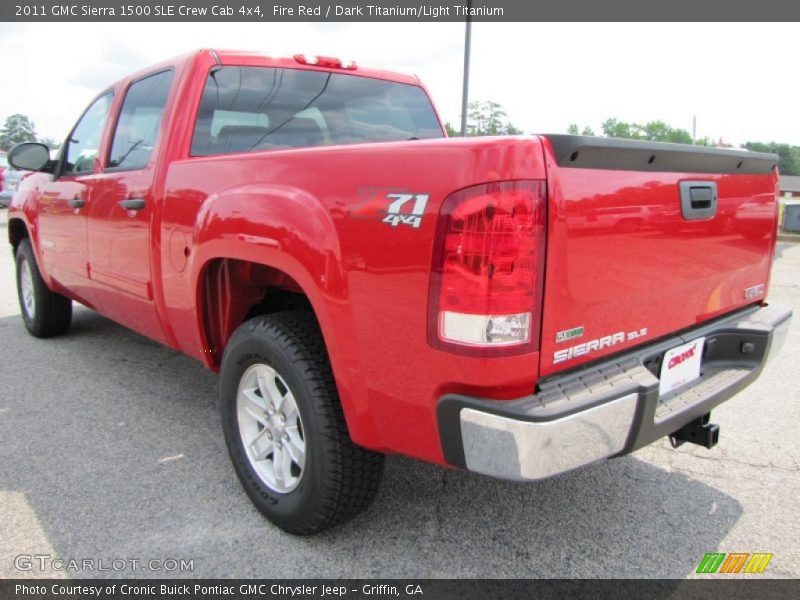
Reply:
x=17, y=231
x=232, y=289
x=253, y=238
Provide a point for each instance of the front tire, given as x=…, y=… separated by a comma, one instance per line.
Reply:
x=285, y=429
x=45, y=313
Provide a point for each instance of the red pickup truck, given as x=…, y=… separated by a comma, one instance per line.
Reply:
x=516, y=306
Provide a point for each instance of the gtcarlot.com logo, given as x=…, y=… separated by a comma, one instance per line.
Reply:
x=734, y=562
x=47, y=562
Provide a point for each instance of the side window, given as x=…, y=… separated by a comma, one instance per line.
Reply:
x=139, y=122
x=81, y=148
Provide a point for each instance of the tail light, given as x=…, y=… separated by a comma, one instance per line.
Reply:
x=487, y=275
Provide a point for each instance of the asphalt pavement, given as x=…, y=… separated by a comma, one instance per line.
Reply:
x=111, y=449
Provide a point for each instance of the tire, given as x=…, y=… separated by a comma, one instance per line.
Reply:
x=280, y=359
x=45, y=313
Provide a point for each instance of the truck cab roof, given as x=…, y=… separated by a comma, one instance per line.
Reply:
x=246, y=58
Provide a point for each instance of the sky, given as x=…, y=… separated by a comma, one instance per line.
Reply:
x=740, y=80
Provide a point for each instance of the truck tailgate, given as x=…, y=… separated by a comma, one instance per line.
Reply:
x=646, y=239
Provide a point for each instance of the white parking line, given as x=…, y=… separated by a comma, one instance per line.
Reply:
x=21, y=533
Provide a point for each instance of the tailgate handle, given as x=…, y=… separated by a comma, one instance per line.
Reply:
x=698, y=199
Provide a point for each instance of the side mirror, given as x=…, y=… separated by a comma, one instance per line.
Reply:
x=30, y=156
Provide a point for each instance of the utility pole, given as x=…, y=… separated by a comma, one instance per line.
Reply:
x=694, y=128
x=465, y=88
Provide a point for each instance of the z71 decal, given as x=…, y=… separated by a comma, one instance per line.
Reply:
x=394, y=208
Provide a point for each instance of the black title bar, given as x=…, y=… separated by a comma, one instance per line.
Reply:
x=390, y=589
x=266, y=11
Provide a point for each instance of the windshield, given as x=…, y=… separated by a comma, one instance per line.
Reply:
x=246, y=109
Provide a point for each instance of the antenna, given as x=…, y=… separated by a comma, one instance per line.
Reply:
x=465, y=88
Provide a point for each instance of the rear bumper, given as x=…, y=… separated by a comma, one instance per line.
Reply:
x=609, y=408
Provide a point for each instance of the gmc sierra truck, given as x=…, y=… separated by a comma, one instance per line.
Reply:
x=515, y=306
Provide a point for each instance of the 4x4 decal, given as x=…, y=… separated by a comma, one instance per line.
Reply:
x=394, y=208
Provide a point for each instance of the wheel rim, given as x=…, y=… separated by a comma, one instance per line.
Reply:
x=26, y=289
x=271, y=428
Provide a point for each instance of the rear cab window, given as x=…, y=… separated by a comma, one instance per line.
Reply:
x=247, y=109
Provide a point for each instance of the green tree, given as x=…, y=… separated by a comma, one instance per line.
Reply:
x=573, y=129
x=50, y=143
x=451, y=131
x=654, y=131
x=618, y=129
x=17, y=129
x=788, y=156
x=489, y=118
x=658, y=131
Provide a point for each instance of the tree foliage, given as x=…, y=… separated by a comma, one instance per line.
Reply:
x=788, y=156
x=653, y=131
x=659, y=131
x=50, y=143
x=451, y=131
x=18, y=128
x=573, y=129
x=489, y=118
x=485, y=118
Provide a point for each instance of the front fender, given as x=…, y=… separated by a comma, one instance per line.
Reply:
x=24, y=207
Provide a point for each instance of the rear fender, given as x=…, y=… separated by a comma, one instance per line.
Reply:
x=277, y=226
x=288, y=230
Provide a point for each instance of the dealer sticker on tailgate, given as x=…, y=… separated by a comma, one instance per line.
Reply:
x=681, y=365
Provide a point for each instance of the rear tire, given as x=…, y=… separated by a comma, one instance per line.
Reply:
x=45, y=313
x=277, y=386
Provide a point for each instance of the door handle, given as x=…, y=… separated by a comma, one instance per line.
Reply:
x=77, y=202
x=132, y=204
